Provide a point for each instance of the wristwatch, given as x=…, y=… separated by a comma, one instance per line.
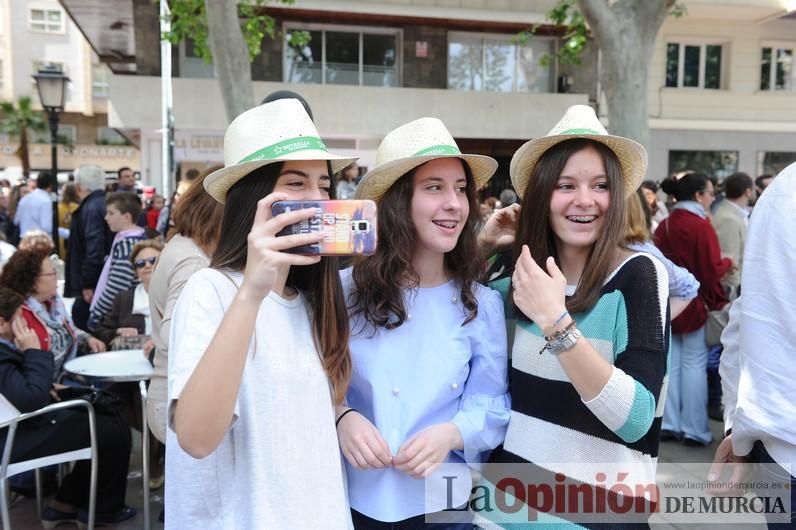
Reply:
x=564, y=341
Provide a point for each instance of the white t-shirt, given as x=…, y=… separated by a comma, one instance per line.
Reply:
x=279, y=465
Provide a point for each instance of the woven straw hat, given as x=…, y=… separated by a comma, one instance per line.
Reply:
x=411, y=145
x=580, y=121
x=272, y=132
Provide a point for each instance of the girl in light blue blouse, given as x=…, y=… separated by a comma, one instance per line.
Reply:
x=428, y=345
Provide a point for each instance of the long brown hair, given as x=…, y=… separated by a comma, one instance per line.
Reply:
x=198, y=215
x=637, y=219
x=379, y=279
x=319, y=283
x=70, y=194
x=534, y=230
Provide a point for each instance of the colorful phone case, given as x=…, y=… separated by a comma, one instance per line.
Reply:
x=349, y=226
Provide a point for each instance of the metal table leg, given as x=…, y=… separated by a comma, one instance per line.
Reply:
x=145, y=452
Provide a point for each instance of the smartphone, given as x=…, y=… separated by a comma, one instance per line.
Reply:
x=348, y=226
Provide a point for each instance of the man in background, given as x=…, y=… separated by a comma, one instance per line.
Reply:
x=35, y=210
x=730, y=220
x=762, y=182
x=89, y=242
x=125, y=180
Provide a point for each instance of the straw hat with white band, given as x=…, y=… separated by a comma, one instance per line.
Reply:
x=411, y=145
x=273, y=132
x=580, y=121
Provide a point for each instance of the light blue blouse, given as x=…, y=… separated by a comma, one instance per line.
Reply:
x=429, y=370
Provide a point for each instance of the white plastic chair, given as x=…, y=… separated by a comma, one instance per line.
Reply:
x=9, y=470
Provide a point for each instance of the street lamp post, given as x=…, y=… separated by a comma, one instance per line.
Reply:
x=51, y=84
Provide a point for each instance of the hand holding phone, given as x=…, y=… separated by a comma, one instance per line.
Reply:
x=267, y=254
x=349, y=227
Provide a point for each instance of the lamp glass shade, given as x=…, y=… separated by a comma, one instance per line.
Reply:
x=52, y=88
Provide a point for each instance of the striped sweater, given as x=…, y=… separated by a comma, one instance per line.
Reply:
x=121, y=277
x=551, y=425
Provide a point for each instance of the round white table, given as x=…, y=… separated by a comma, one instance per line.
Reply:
x=122, y=366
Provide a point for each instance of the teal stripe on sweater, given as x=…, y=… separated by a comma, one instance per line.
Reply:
x=599, y=322
x=640, y=417
x=503, y=286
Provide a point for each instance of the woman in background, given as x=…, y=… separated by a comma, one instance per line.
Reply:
x=130, y=314
x=683, y=287
x=656, y=206
x=32, y=274
x=688, y=238
x=26, y=381
x=70, y=200
x=197, y=223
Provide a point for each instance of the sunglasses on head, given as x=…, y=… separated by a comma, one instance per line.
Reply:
x=141, y=263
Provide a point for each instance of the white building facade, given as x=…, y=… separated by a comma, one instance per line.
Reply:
x=722, y=89
x=39, y=33
x=721, y=81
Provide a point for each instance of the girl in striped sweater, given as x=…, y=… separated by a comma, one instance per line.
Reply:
x=122, y=210
x=590, y=346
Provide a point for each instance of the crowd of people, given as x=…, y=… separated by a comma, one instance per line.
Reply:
x=110, y=244
x=578, y=318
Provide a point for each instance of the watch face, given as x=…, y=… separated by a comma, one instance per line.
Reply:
x=572, y=338
x=565, y=342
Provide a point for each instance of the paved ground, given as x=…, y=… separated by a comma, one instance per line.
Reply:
x=674, y=454
x=23, y=513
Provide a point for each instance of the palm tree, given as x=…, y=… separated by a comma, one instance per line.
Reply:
x=17, y=120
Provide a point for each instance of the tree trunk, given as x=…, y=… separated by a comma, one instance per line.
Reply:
x=23, y=152
x=230, y=56
x=625, y=31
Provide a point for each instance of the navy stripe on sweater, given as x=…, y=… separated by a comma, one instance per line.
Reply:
x=568, y=410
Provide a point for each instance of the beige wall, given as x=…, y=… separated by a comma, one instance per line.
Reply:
x=348, y=111
x=108, y=157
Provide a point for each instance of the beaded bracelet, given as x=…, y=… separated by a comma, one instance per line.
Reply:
x=558, y=334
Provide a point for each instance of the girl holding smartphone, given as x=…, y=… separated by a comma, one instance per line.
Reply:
x=428, y=342
x=258, y=353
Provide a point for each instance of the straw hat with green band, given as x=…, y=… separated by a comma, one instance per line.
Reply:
x=411, y=145
x=580, y=121
x=273, y=132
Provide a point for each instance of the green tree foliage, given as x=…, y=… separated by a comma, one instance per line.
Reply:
x=189, y=21
x=567, y=14
x=18, y=120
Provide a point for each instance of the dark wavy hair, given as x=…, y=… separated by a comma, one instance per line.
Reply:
x=686, y=187
x=534, y=230
x=319, y=283
x=22, y=269
x=10, y=301
x=378, y=279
